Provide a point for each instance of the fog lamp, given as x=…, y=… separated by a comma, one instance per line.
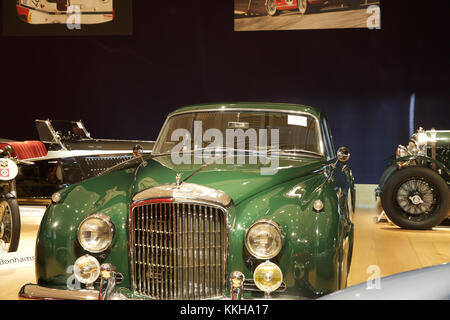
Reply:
x=86, y=269
x=268, y=277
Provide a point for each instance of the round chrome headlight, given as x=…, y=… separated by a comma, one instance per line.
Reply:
x=95, y=233
x=263, y=239
x=401, y=152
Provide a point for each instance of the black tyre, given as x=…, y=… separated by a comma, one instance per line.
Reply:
x=9, y=225
x=416, y=198
x=271, y=8
x=304, y=7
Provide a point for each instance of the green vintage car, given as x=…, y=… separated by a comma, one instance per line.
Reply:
x=414, y=188
x=240, y=200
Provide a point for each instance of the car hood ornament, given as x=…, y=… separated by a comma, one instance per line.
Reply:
x=178, y=179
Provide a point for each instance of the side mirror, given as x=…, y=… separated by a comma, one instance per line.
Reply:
x=343, y=154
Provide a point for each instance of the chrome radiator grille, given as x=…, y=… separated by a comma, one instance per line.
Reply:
x=179, y=250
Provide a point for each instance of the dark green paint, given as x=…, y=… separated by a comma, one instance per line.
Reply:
x=312, y=253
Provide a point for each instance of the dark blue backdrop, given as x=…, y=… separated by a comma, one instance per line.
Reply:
x=185, y=52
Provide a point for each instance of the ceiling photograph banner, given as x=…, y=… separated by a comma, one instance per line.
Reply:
x=66, y=17
x=266, y=15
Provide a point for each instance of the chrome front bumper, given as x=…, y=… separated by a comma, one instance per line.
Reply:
x=108, y=289
x=33, y=291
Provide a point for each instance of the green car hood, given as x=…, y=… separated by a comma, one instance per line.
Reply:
x=239, y=181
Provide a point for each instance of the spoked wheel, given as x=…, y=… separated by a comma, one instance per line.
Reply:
x=416, y=198
x=271, y=8
x=9, y=225
x=303, y=6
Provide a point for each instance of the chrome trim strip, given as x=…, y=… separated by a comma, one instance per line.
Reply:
x=34, y=201
x=185, y=192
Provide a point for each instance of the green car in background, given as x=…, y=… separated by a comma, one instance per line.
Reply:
x=414, y=188
x=237, y=201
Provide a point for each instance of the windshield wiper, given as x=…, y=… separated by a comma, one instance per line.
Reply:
x=210, y=150
x=127, y=164
x=296, y=151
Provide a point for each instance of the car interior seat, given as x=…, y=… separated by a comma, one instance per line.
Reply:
x=28, y=149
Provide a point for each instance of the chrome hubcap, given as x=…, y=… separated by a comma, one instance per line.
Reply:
x=416, y=200
x=416, y=197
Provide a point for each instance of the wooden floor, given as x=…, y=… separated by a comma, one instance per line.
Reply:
x=389, y=248
x=394, y=250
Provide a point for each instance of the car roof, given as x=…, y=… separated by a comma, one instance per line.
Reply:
x=251, y=105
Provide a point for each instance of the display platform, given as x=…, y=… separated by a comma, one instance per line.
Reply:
x=381, y=249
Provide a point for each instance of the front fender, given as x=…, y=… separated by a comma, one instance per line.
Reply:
x=387, y=173
x=311, y=240
x=57, y=247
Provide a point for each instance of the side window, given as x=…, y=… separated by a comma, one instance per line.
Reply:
x=328, y=138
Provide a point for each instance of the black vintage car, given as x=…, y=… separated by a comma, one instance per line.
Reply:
x=415, y=187
x=65, y=154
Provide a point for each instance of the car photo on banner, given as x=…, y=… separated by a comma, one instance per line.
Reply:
x=256, y=15
x=67, y=17
x=61, y=11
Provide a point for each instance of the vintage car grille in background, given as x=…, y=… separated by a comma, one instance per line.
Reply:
x=93, y=166
x=443, y=155
x=179, y=250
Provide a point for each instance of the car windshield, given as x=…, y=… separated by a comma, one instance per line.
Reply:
x=267, y=131
x=65, y=129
